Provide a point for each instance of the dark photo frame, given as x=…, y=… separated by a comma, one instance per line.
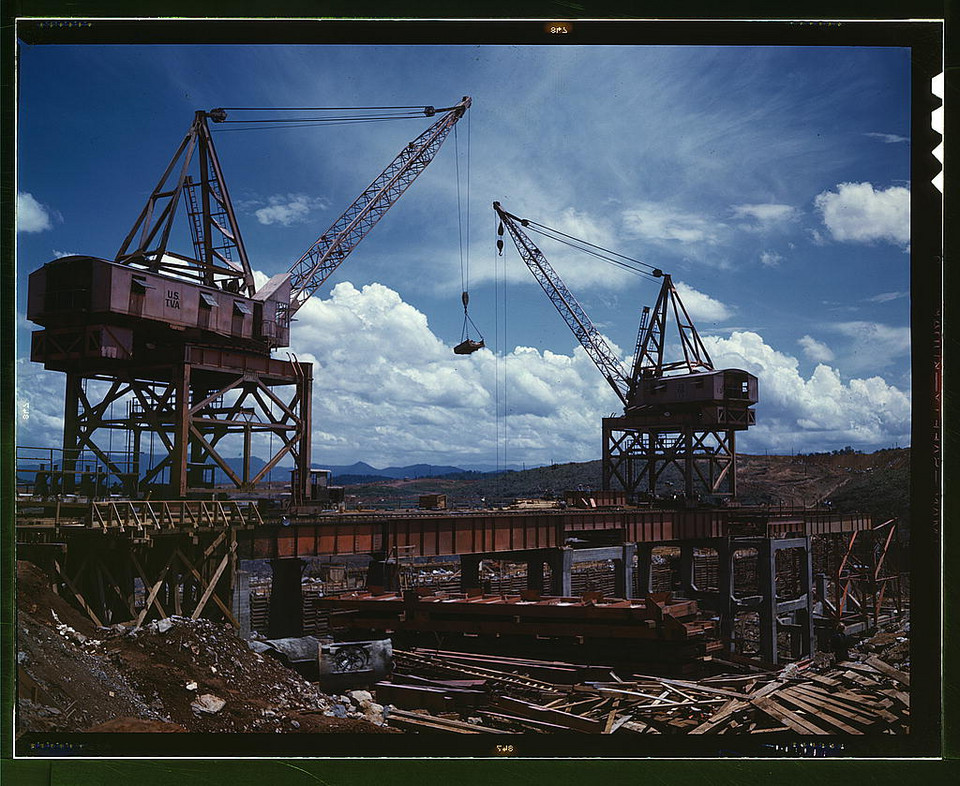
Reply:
x=350, y=758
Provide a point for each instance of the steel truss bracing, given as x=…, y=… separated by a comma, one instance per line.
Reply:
x=649, y=357
x=635, y=458
x=865, y=579
x=181, y=415
x=221, y=258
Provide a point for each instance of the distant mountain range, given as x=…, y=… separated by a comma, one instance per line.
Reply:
x=361, y=469
x=358, y=472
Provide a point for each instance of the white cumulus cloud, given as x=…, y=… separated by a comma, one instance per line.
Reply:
x=702, y=307
x=388, y=389
x=288, y=209
x=819, y=412
x=770, y=258
x=31, y=215
x=815, y=350
x=859, y=213
x=39, y=405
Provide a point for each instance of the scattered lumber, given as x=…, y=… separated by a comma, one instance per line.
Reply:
x=855, y=698
x=423, y=721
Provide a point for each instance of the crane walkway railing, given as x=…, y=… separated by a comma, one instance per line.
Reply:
x=147, y=516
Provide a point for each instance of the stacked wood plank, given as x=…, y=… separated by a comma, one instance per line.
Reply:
x=855, y=698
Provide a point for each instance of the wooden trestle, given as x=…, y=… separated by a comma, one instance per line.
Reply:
x=124, y=561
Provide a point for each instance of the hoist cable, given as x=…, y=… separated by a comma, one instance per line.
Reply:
x=270, y=125
x=594, y=250
x=543, y=227
x=463, y=224
x=469, y=152
x=464, y=333
x=601, y=257
x=498, y=350
x=456, y=156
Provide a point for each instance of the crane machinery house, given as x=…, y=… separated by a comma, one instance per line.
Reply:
x=92, y=308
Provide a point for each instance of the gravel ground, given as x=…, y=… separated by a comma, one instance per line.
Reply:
x=171, y=675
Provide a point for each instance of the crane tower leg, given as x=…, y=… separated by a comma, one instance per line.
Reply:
x=640, y=459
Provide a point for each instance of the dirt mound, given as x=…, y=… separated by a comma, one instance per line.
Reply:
x=34, y=594
x=135, y=725
x=195, y=675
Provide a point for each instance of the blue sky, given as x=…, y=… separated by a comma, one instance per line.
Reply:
x=771, y=182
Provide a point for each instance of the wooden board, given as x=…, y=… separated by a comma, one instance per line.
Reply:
x=786, y=716
x=821, y=711
x=888, y=670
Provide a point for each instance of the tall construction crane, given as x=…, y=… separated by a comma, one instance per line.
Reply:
x=220, y=259
x=183, y=343
x=680, y=412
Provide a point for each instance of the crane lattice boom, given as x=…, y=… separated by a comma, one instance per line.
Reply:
x=323, y=258
x=571, y=310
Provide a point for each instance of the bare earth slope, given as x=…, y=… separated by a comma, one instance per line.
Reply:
x=180, y=675
x=873, y=483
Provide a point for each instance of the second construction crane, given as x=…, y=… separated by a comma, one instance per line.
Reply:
x=679, y=412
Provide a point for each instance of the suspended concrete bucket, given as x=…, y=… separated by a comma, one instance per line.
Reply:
x=468, y=347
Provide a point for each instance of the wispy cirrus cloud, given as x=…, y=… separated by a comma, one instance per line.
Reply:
x=663, y=224
x=890, y=139
x=764, y=215
x=871, y=345
x=886, y=297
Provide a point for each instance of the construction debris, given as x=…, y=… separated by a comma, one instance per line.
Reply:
x=176, y=674
x=469, y=698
